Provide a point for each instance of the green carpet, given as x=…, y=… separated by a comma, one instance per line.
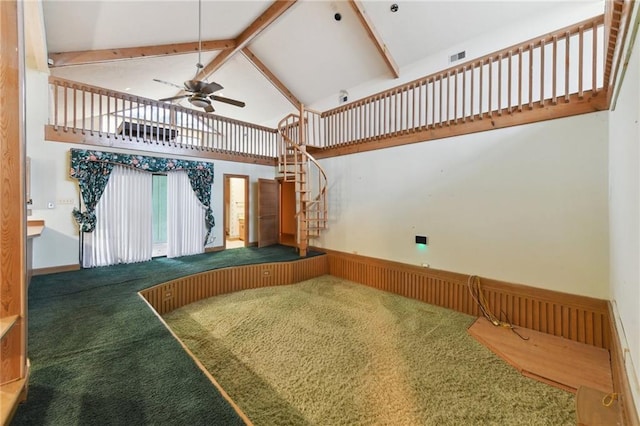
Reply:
x=331, y=352
x=100, y=356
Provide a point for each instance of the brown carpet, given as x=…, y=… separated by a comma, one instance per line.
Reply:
x=331, y=352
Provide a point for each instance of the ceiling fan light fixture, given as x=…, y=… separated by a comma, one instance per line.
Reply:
x=199, y=101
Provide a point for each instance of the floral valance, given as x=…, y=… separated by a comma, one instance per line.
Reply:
x=93, y=168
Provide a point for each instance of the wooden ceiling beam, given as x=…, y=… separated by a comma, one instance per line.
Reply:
x=271, y=77
x=375, y=37
x=84, y=57
x=274, y=11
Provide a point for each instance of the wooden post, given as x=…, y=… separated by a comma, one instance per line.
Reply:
x=13, y=266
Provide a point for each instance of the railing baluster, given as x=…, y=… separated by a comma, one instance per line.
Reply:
x=75, y=112
x=471, y=97
x=566, y=67
x=520, y=79
x=580, y=61
x=594, y=59
x=542, y=71
x=554, y=69
x=108, y=132
x=500, y=84
x=448, y=102
x=480, y=83
x=55, y=106
x=433, y=103
x=100, y=114
x=440, y=101
x=66, y=117
x=490, y=94
x=531, y=76
x=464, y=94
x=509, y=78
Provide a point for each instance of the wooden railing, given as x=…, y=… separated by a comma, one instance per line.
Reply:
x=545, y=71
x=552, y=76
x=101, y=116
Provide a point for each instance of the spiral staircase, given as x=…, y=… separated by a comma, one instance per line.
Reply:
x=296, y=165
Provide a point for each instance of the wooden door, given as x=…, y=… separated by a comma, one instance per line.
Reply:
x=267, y=212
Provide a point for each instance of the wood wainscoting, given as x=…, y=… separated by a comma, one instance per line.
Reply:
x=578, y=318
x=174, y=294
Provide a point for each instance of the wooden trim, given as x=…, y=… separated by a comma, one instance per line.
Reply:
x=375, y=37
x=613, y=63
x=247, y=188
x=84, y=57
x=266, y=72
x=578, y=318
x=575, y=106
x=174, y=294
x=56, y=269
x=614, y=42
x=274, y=11
x=621, y=384
x=118, y=141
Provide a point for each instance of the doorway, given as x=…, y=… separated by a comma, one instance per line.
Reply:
x=288, y=225
x=236, y=211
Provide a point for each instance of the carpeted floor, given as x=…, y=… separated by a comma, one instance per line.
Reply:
x=100, y=356
x=331, y=352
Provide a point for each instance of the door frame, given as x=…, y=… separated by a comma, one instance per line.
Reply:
x=226, y=191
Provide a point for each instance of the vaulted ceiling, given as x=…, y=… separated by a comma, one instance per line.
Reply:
x=274, y=54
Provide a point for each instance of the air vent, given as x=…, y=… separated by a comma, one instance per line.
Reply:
x=458, y=56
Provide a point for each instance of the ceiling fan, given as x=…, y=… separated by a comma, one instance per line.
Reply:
x=200, y=93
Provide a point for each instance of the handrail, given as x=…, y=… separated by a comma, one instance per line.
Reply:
x=528, y=75
x=97, y=112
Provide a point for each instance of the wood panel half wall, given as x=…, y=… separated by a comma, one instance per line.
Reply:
x=578, y=318
x=174, y=294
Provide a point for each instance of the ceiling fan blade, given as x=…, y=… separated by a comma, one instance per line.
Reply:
x=173, y=98
x=209, y=108
x=167, y=83
x=198, y=86
x=228, y=101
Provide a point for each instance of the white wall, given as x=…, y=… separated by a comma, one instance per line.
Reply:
x=624, y=214
x=526, y=204
x=50, y=182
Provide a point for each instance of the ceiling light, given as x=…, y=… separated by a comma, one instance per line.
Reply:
x=126, y=89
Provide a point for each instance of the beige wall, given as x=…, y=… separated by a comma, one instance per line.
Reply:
x=527, y=204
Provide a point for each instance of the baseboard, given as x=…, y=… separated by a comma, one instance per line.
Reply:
x=578, y=318
x=56, y=269
x=213, y=249
x=621, y=384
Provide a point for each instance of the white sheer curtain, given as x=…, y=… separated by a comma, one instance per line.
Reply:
x=186, y=229
x=123, y=231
